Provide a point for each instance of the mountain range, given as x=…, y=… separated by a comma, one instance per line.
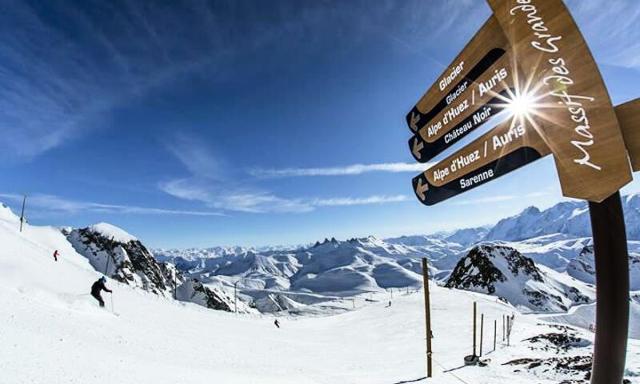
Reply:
x=538, y=261
x=556, y=240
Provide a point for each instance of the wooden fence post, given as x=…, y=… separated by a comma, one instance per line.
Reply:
x=481, y=331
x=427, y=312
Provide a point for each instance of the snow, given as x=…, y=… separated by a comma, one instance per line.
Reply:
x=112, y=232
x=584, y=316
x=343, y=268
x=7, y=215
x=53, y=332
x=568, y=217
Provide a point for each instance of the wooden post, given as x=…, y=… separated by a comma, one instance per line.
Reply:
x=427, y=312
x=474, y=329
x=24, y=200
x=612, y=290
x=503, y=334
x=235, y=296
x=506, y=335
x=508, y=330
x=495, y=333
x=481, y=331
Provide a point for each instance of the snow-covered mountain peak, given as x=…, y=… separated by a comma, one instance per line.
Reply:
x=112, y=232
x=467, y=236
x=583, y=267
x=488, y=264
x=504, y=272
x=117, y=254
x=326, y=245
x=530, y=211
x=412, y=240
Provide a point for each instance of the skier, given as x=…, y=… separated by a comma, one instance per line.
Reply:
x=55, y=255
x=97, y=287
x=276, y=323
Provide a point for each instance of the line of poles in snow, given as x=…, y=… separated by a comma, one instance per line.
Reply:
x=507, y=326
x=474, y=358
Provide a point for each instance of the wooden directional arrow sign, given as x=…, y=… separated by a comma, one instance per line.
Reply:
x=505, y=148
x=580, y=125
x=572, y=116
x=469, y=106
x=486, y=47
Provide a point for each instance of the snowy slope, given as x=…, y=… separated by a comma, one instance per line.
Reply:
x=584, y=316
x=53, y=332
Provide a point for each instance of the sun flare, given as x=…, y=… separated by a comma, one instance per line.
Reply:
x=521, y=105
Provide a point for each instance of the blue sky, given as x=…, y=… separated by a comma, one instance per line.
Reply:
x=250, y=122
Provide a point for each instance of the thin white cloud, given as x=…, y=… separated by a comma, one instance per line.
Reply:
x=51, y=203
x=196, y=157
x=231, y=199
x=208, y=183
x=347, y=201
x=348, y=170
x=255, y=201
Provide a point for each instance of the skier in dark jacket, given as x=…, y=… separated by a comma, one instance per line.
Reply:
x=97, y=287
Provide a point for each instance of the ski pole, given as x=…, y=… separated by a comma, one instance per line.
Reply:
x=111, y=294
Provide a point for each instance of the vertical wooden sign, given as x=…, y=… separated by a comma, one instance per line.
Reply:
x=583, y=132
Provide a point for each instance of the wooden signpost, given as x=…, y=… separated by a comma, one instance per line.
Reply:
x=532, y=50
